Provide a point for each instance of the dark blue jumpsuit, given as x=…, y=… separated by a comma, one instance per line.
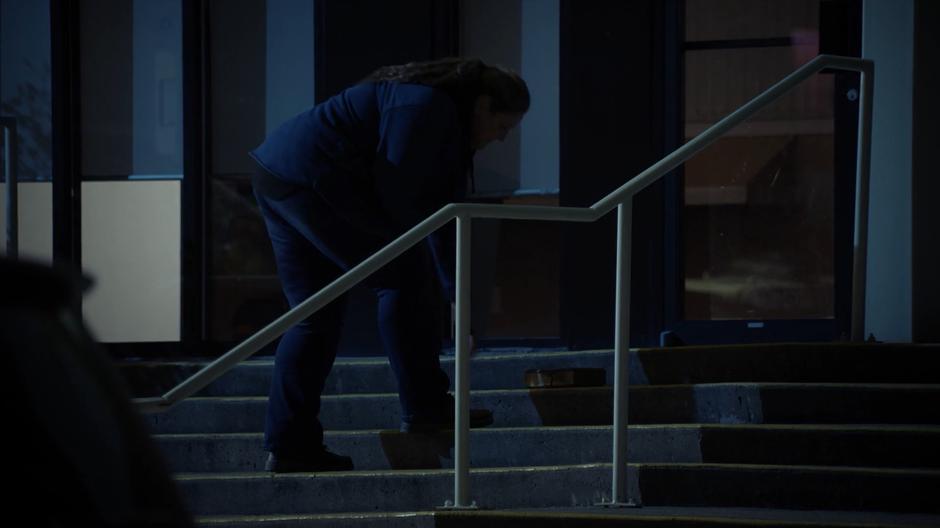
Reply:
x=335, y=184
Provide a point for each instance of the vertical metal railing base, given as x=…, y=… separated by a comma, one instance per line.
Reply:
x=629, y=500
x=449, y=505
x=613, y=505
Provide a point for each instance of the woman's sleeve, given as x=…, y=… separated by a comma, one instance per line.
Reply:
x=442, y=247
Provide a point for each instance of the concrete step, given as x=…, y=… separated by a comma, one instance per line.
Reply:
x=828, y=445
x=586, y=517
x=706, y=403
x=793, y=363
x=489, y=370
x=501, y=369
x=712, y=485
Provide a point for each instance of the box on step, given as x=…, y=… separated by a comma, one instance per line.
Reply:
x=565, y=377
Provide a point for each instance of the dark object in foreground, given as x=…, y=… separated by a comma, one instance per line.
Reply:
x=82, y=451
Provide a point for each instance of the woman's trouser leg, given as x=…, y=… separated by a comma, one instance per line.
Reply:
x=306, y=352
x=408, y=314
x=409, y=326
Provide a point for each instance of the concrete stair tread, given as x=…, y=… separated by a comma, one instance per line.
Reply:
x=817, y=349
x=707, y=466
x=795, y=468
x=560, y=390
x=322, y=519
x=151, y=378
x=594, y=516
x=703, y=403
x=806, y=362
x=861, y=427
x=479, y=356
x=837, y=445
x=391, y=473
x=729, y=513
x=665, y=515
x=679, y=484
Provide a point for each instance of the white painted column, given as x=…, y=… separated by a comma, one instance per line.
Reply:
x=888, y=40
x=538, y=160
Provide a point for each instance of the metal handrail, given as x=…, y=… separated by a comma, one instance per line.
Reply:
x=622, y=199
x=10, y=148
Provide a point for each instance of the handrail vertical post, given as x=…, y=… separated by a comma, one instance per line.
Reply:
x=9, y=168
x=862, y=176
x=462, y=369
x=620, y=493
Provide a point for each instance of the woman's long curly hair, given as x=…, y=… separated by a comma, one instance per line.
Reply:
x=464, y=80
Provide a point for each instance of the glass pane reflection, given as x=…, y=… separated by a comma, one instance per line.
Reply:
x=758, y=216
x=26, y=103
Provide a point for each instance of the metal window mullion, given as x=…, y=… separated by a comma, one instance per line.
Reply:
x=10, y=148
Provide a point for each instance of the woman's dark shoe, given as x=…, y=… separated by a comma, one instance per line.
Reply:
x=478, y=418
x=318, y=461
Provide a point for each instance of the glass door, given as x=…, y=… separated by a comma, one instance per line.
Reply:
x=758, y=215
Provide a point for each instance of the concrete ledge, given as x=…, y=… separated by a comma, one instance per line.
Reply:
x=712, y=403
x=708, y=485
x=825, y=445
x=799, y=487
x=674, y=517
x=646, y=517
x=424, y=519
x=390, y=491
x=489, y=370
x=489, y=447
x=777, y=363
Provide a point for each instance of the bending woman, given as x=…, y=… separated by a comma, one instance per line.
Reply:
x=340, y=181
